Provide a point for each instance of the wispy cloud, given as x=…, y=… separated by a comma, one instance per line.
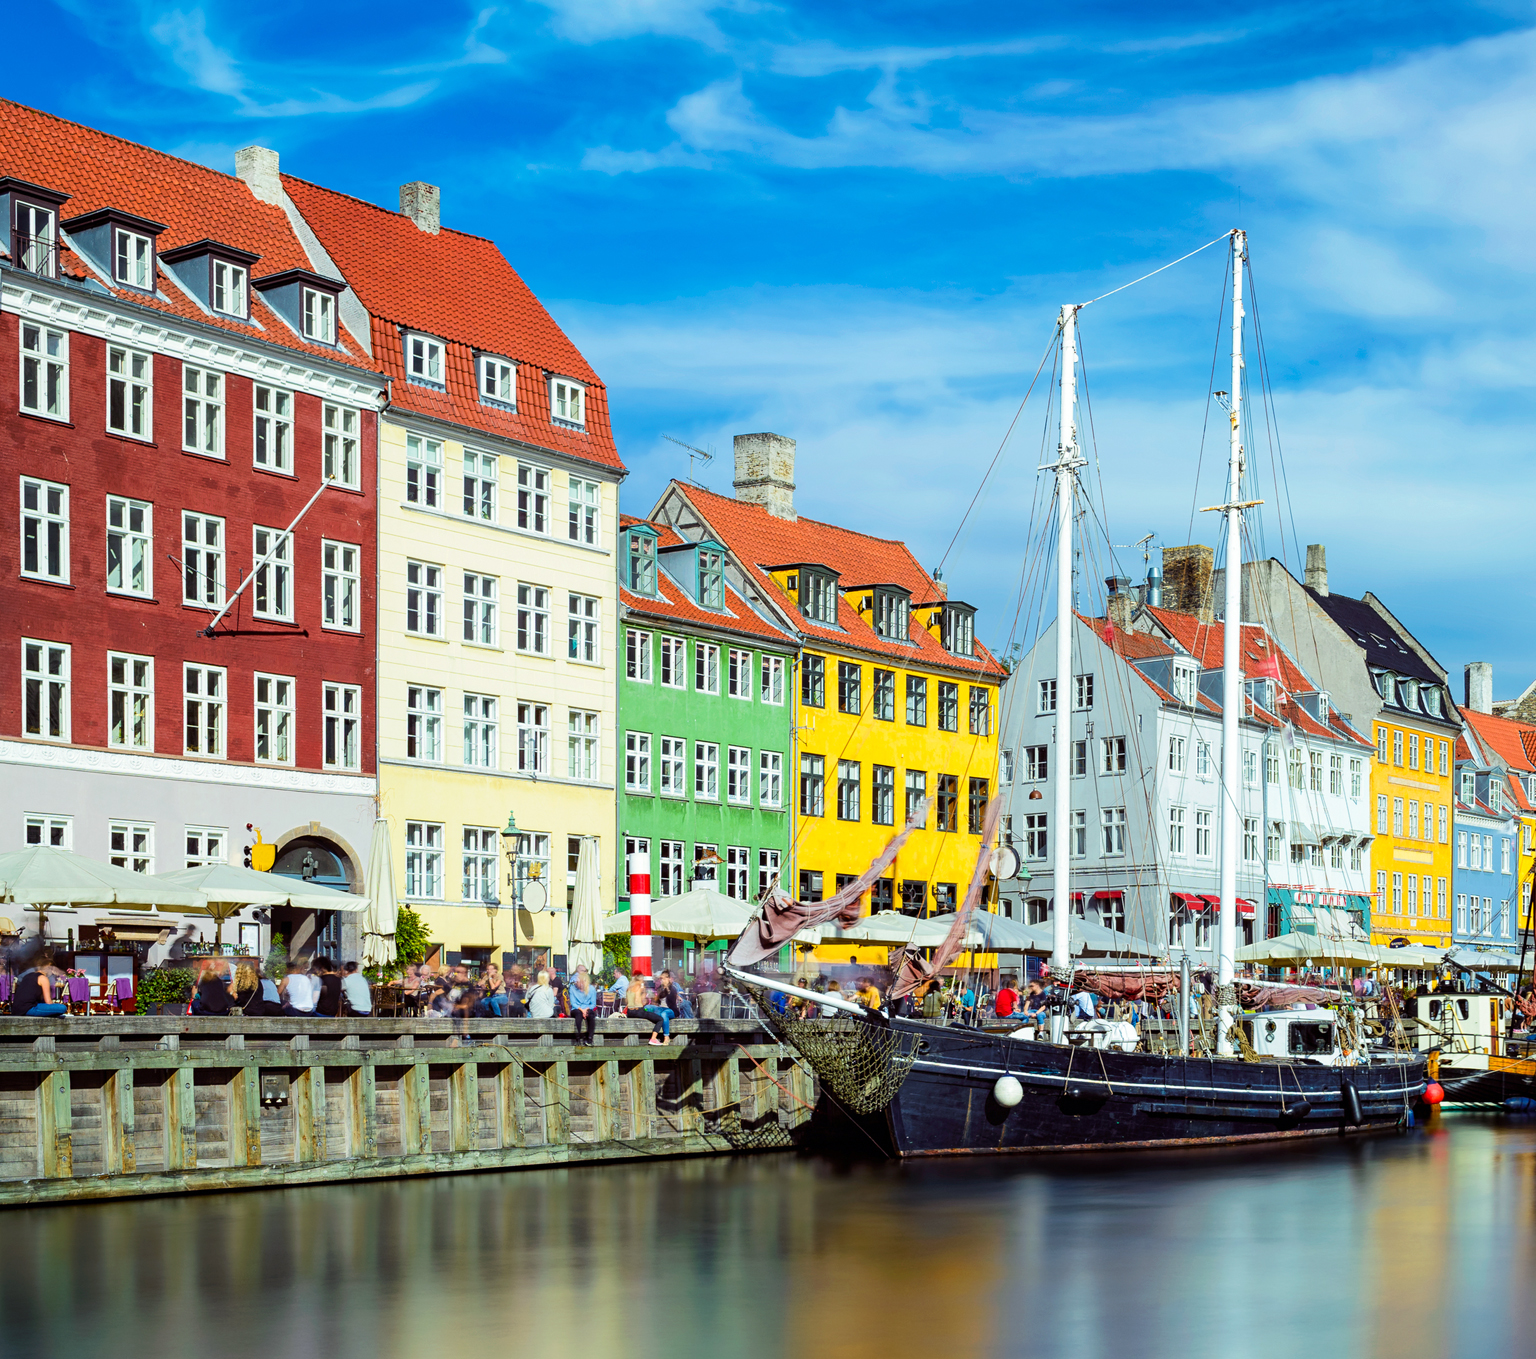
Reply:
x=593, y=21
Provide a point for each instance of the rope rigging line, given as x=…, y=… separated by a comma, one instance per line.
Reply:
x=1225, y=236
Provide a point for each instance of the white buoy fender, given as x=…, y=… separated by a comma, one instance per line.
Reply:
x=1007, y=1092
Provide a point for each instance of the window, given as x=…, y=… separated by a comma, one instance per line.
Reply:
x=772, y=690
x=567, y=402
x=1035, y=837
x=1176, y=754
x=1276, y=846
x=706, y=771
x=424, y=359
x=958, y=631
x=1112, y=755
x=533, y=620
x=274, y=429
x=711, y=579
x=917, y=701
x=1185, y=683
x=423, y=859
x=770, y=779
x=1397, y=749
x=1336, y=855
x=1413, y=750
x=1250, y=769
x=272, y=590
x=131, y=845
x=810, y=885
x=976, y=805
x=637, y=762
x=670, y=882
x=1272, y=767
x=130, y=377
x=57, y=831
x=1046, y=698
x=1203, y=759
x=133, y=259
x=44, y=371
x=423, y=723
x=342, y=705
x=981, y=711
x=1461, y=913
x=131, y=701
x=1112, y=823
x=319, y=316
x=533, y=738
x=949, y=706
x=498, y=380
x=813, y=680
x=1461, y=849
x=424, y=599
x=480, y=613
x=1381, y=891
x=812, y=779
x=1381, y=814
x=1077, y=834
x=1082, y=692
x=339, y=584
x=204, y=689
x=1297, y=770
x=45, y=690
x=1176, y=830
x=480, y=477
x=585, y=507
x=849, y=795
x=916, y=791
x=642, y=563
x=582, y=757
x=1397, y=894
x=948, y=803
x=1005, y=766
x=33, y=247
x=1250, y=840
x=1468, y=786
x=1355, y=778
x=1356, y=856
x=481, y=844
x=882, y=795
x=674, y=751
x=202, y=411
x=581, y=630
x=850, y=680
x=274, y=719
x=1037, y=764
x=44, y=530
x=738, y=674
x=1445, y=756
x=1411, y=896
x=1413, y=819
x=736, y=858
x=1397, y=816
x=205, y=845
x=229, y=289
x=706, y=668
x=818, y=596
x=1202, y=835
x=1495, y=795
x=1382, y=735
x=738, y=775
x=129, y=545
x=1315, y=771
x=481, y=723
x=1504, y=856
x=637, y=656
x=423, y=472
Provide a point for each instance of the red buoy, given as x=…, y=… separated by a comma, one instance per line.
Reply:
x=1433, y=1093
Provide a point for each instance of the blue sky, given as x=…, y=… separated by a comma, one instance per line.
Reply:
x=855, y=226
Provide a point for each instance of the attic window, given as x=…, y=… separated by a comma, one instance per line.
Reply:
x=228, y=293
x=957, y=630
x=1432, y=702
x=818, y=596
x=424, y=359
x=1262, y=692
x=34, y=243
x=1184, y=681
x=568, y=403
x=319, y=316
x=642, y=562
x=1322, y=709
x=1383, y=682
x=133, y=259
x=498, y=380
x=711, y=579
x=1495, y=796
x=1408, y=693
x=892, y=610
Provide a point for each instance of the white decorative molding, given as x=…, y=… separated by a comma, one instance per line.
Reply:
x=222, y=350
x=85, y=760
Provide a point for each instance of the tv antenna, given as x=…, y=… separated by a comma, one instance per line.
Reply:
x=1143, y=544
x=693, y=453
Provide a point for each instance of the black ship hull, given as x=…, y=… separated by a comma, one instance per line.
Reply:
x=1496, y=1083
x=1082, y=1099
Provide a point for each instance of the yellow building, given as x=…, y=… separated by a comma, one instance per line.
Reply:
x=897, y=701
x=497, y=593
x=1412, y=794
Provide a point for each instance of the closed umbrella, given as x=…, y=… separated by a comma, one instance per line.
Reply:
x=382, y=918
x=586, y=911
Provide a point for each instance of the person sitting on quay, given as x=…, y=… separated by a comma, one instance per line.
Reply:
x=354, y=990
x=1006, y=1001
x=635, y=1007
x=541, y=1000
x=328, y=1002
x=299, y=991
x=33, y=993
x=494, y=985
x=833, y=988
x=666, y=997
x=868, y=994
x=213, y=995
x=583, y=998
x=256, y=995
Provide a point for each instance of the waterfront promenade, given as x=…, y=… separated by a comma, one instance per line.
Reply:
x=120, y=1107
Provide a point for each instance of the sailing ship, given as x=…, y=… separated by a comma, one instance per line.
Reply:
x=916, y=1087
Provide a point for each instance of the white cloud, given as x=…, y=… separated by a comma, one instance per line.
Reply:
x=593, y=21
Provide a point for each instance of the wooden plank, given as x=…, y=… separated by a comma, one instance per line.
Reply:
x=557, y=1102
x=605, y=1103
x=118, y=1155
x=416, y=1110
x=464, y=1107
x=54, y=1122
x=509, y=1103
x=245, y=1117
x=728, y=1098
x=691, y=1112
x=644, y=1096
x=180, y=1121
x=307, y=1099
x=363, y=1113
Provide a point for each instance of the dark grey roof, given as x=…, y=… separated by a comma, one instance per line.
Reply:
x=1385, y=649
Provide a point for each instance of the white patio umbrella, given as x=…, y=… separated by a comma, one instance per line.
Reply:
x=894, y=927
x=700, y=913
x=42, y=876
x=586, y=949
x=383, y=915
x=1290, y=949
x=227, y=888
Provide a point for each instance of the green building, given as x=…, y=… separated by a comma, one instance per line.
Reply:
x=705, y=711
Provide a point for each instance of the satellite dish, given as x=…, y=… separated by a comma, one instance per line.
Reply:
x=1005, y=862
x=535, y=895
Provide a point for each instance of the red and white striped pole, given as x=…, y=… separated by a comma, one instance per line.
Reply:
x=640, y=915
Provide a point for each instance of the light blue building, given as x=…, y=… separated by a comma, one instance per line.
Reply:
x=1485, y=866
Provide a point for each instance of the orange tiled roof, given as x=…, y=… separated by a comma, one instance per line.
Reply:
x=1504, y=736
x=760, y=541
x=461, y=289
x=98, y=170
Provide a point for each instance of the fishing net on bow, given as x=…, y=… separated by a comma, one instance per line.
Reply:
x=860, y=1064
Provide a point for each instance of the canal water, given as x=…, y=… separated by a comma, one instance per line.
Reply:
x=1423, y=1244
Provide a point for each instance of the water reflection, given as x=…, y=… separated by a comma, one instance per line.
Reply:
x=1400, y=1247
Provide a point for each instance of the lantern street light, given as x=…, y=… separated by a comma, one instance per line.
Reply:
x=516, y=876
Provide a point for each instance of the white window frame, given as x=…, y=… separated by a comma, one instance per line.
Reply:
x=532, y=737
x=273, y=720
x=738, y=776
x=770, y=779
x=482, y=479
x=1176, y=754
x=771, y=689
x=340, y=585
x=317, y=308
x=637, y=656
x=424, y=724
x=1176, y=820
x=706, y=771
x=480, y=849
x=342, y=707
x=131, y=845
x=197, y=554
x=205, y=711
x=482, y=731
x=669, y=880
x=1203, y=821
x=272, y=584
x=738, y=674
x=584, y=629
x=482, y=610
x=583, y=745
x=45, y=364
x=227, y=292
x=133, y=698
x=423, y=472
x=58, y=832
x=50, y=529
x=584, y=525
x=424, y=860
x=135, y=557
x=130, y=391
x=533, y=497
x=424, y=599
x=425, y=359
x=672, y=767
x=568, y=402
x=340, y=445
x=738, y=862
x=45, y=685
x=202, y=411
x=205, y=845
x=271, y=428
x=496, y=378
x=706, y=668
x=133, y=259
x=637, y=762
x=533, y=638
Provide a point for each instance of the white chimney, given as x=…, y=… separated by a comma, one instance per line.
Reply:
x=1480, y=687
x=1317, y=569
x=765, y=473
x=257, y=166
x=422, y=203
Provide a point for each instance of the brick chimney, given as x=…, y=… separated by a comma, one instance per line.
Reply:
x=1121, y=603
x=257, y=166
x=1317, y=569
x=422, y=203
x=1480, y=687
x=1187, y=580
x=765, y=473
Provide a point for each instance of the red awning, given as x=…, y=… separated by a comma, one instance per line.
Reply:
x=1189, y=901
x=1244, y=907
x=1212, y=903
x=1102, y=895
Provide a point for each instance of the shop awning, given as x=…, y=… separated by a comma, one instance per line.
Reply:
x=1190, y=901
x=1107, y=894
x=1303, y=834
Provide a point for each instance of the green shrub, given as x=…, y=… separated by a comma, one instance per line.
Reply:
x=163, y=986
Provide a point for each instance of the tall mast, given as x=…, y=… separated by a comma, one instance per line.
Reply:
x=1231, y=676
x=1067, y=463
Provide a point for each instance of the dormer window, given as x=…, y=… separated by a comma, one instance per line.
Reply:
x=818, y=595
x=892, y=614
x=1432, y=700
x=498, y=380
x=228, y=292
x=34, y=240
x=568, y=402
x=424, y=359
x=1383, y=682
x=319, y=312
x=1322, y=709
x=711, y=579
x=1468, y=786
x=1408, y=693
x=957, y=630
x=1185, y=680
x=1495, y=796
x=134, y=260
x=642, y=562
x=1262, y=692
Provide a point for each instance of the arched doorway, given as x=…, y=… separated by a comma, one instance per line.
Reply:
x=320, y=860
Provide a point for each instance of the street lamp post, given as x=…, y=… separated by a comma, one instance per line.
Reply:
x=515, y=879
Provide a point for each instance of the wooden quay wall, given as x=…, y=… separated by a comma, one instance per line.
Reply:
x=121, y=1107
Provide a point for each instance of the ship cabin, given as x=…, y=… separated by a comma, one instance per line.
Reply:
x=1289, y=1035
